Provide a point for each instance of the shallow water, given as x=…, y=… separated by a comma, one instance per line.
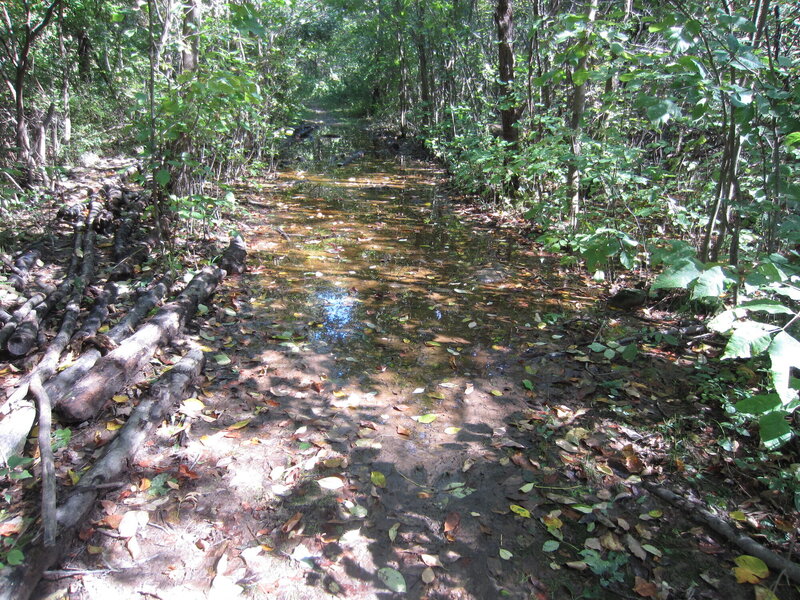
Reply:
x=370, y=266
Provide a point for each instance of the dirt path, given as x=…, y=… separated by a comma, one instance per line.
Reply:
x=400, y=403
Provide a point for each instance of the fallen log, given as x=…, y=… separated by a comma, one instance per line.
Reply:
x=22, y=268
x=19, y=316
x=18, y=411
x=96, y=317
x=59, y=386
x=18, y=583
x=699, y=513
x=233, y=260
x=24, y=336
x=123, y=365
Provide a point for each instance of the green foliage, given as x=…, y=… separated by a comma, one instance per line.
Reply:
x=608, y=568
x=759, y=326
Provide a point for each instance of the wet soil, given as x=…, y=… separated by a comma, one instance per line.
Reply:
x=394, y=389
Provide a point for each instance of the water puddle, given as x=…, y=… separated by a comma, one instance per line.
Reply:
x=369, y=266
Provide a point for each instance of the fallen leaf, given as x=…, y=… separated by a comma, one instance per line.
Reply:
x=222, y=359
x=646, y=589
x=378, y=479
x=610, y=541
x=393, y=579
x=550, y=546
x=431, y=560
x=238, y=425
x=763, y=593
x=521, y=511
x=426, y=418
x=11, y=527
x=635, y=547
x=451, y=522
x=393, y=531
x=331, y=483
x=428, y=575
x=292, y=522
x=505, y=554
x=131, y=522
x=749, y=569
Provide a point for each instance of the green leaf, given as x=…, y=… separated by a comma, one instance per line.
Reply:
x=792, y=139
x=378, y=479
x=426, y=418
x=505, y=554
x=784, y=352
x=580, y=76
x=710, y=283
x=162, y=177
x=521, y=511
x=527, y=384
x=393, y=579
x=222, y=359
x=597, y=347
x=550, y=546
x=772, y=307
x=774, y=429
x=662, y=111
x=750, y=338
x=15, y=557
x=393, y=531
x=629, y=352
x=760, y=404
x=679, y=275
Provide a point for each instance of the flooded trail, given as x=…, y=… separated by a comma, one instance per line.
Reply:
x=384, y=341
x=400, y=402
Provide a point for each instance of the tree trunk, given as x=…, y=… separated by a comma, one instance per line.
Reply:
x=504, y=20
x=577, y=109
x=191, y=35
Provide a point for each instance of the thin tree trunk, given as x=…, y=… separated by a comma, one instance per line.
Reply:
x=577, y=110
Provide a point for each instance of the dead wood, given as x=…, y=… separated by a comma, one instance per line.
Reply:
x=19, y=315
x=22, y=268
x=233, y=260
x=352, y=158
x=49, y=523
x=18, y=411
x=24, y=337
x=96, y=317
x=18, y=583
x=124, y=364
x=59, y=386
x=699, y=513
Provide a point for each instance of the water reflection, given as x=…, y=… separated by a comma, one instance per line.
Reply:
x=338, y=307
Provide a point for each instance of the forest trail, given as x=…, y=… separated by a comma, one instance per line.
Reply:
x=400, y=401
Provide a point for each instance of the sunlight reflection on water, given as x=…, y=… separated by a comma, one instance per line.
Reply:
x=338, y=307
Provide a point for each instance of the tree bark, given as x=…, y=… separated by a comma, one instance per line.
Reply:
x=577, y=110
x=124, y=364
x=504, y=20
